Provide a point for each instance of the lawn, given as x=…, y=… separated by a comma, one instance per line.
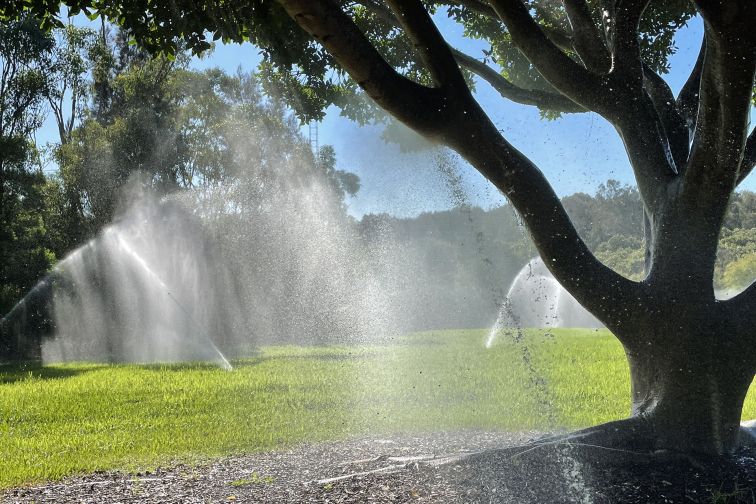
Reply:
x=63, y=419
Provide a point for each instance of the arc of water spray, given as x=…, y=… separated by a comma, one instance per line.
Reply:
x=505, y=313
x=143, y=264
x=39, y=291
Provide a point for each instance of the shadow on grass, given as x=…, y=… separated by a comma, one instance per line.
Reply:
x=255, y=360
x=199, y=365
x=19, y=371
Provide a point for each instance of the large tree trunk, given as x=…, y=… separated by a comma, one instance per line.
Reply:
x=689, y=382
x=689, y=354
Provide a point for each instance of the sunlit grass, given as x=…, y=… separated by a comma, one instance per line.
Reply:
x=64, y=419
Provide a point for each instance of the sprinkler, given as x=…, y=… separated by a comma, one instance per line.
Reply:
x=143, y=264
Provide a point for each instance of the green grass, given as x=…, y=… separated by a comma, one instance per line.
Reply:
x=254, y=479
x=71, y=418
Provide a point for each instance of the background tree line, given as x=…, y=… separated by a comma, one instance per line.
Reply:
x=464, y=259
x=120, y=113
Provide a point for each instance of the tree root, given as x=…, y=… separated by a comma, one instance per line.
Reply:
x=620, y=443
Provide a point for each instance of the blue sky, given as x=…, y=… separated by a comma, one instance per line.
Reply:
x=577, y=152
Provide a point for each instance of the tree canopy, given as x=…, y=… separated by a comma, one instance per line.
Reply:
x=311, y=78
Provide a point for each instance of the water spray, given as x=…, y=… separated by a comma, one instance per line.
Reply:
x=143, y=264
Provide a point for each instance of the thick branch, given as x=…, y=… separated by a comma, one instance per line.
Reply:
x=471, y=133
x=567, y=76
x=627, y=65
x=720, y=136
x=638, y=122
x=557, y=36
x=429, y=44
x=650, y=130
x=422, y=108
x=721, y=130
x=648, y=148
x=602, y=291
x=588, y=40
x=674, y=124
x=620, y=99
x=541, y=99
x=641, y=113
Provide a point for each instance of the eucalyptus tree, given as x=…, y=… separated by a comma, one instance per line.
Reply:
x=25, y=51
x=68, y=84
x=692, y=357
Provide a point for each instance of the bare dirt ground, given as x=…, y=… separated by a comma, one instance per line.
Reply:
x=283, y=476
x=459, y=467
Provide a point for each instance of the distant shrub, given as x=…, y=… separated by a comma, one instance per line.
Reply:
x=741, y=272
x=624, y=254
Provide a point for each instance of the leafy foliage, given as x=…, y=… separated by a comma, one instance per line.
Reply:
x=741, y=272
x=299, y=70
x=122, y=116
x=67, y=81
x=737, y=253
x=24, y=55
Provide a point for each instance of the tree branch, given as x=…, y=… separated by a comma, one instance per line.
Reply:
x=642, y=130
x=567, y=76
x=640, y=111
x=638, y=122
x=423, y=109
x=648, y=148
x=587, y=39
x=627, y=64
x=541, y=99
x=475, y=6
x=674, y=124
x=558, y=37
x=602, y=291
x=660, y=146
x=727, y=80
x=471, y=133
x=429, y=44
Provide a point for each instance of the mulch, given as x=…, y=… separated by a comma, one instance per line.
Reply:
x=456, y=467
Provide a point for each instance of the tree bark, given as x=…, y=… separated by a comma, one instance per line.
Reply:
x=689, y=378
